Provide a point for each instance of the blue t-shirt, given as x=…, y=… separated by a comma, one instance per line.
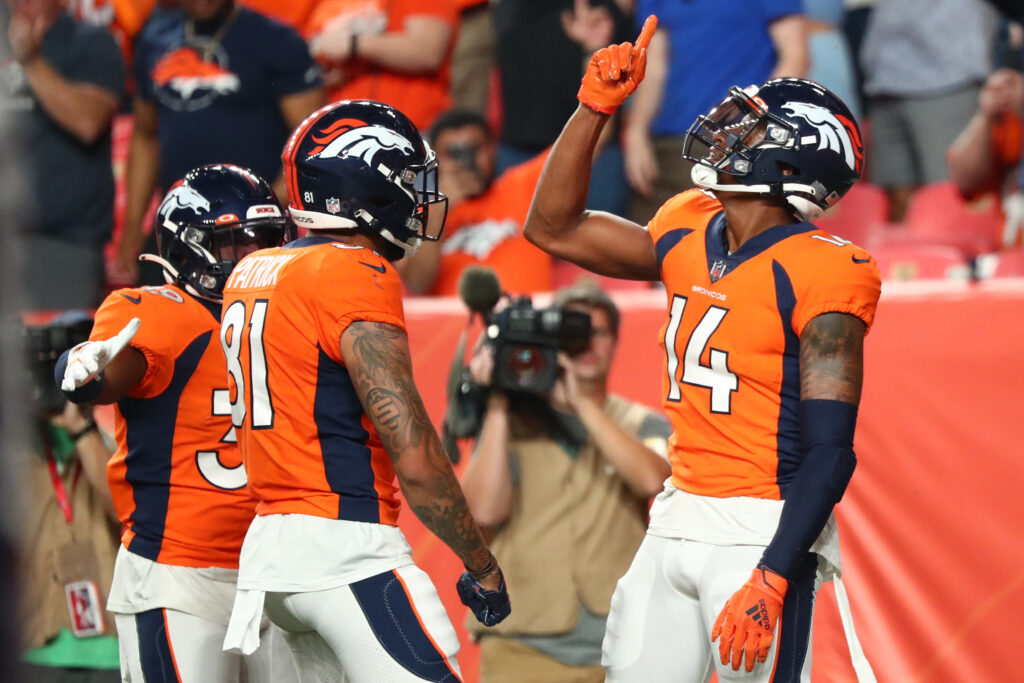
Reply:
x=222, y=108
x=713, y=44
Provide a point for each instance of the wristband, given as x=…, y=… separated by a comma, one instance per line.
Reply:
x=90, y=426
x=491, y=565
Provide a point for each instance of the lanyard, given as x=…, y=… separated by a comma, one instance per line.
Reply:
x=58, y=484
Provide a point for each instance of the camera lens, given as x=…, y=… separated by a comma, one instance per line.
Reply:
x=526, y=364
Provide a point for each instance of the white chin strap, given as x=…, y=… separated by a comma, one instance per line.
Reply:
x=707, y=177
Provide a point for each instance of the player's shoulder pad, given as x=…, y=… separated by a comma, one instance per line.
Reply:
x=841, y=260
x=136, y=299
x=690, y=209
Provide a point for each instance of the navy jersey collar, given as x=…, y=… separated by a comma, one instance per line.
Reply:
x=720, y=263
x=309, y=241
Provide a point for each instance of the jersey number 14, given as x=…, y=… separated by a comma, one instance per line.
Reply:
x=715, y=376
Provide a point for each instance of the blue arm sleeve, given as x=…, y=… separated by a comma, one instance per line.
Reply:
x=83, y=394
x=826, y=430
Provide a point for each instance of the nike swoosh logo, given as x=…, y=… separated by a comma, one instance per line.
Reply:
x=133, y=299
x=380, y=269
x=860, y=260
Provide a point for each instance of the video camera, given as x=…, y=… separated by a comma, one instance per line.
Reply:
x=527, y=341
x=44, y=344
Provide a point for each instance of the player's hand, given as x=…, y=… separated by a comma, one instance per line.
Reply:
x=747, y=622
x=1013, y=217
x=614, y=72
x=87, y=360
x=490, y=607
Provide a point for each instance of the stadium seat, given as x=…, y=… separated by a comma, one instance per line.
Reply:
x=854, y=217
x=938, y=214
x=904, y=262
x=1010, y=263
x=564, y=274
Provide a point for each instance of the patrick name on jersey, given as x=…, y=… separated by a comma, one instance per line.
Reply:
x=255, y=272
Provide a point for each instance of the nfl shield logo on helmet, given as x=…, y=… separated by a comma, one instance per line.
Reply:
x=333, y=205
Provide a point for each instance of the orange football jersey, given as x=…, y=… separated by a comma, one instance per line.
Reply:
x=731, y=378
x=177, y=478
x=308, y=446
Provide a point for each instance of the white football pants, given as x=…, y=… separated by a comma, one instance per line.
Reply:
x=663, y=609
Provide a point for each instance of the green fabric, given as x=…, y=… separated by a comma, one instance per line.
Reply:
x=62, y=445
x=98, y=652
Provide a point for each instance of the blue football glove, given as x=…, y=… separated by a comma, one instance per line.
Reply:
x=489, y=607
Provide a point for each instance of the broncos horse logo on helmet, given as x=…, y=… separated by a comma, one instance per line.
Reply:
x=362, y=165
x=353, y=138
x=789, y=138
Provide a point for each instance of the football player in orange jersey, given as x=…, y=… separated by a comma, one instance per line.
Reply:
x=328, y=416
x=178, y=484
x=763, y=369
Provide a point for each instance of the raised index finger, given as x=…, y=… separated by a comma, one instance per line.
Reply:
x=647, y=32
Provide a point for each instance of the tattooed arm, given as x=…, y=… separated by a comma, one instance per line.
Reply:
x=377, y=358
x=831, y=373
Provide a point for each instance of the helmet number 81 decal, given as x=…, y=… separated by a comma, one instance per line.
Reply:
x=715, y=376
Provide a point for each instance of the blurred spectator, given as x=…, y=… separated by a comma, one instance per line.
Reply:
x=122, y=18
x=485, y=214
x=562, y=483
x=394, y=51
x=473, y=56
x=555, y=38
x=924, y=61
x=746, y=43
x=984, y=158
x=855, y=23
x=831, y=62
x=294, y=13
x=67, y=559
x=216, y=83
x=64, y=84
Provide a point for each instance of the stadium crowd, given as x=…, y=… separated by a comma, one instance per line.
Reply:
x=120, y=99
x=179, y=108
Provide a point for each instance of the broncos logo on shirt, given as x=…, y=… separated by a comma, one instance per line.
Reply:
x=351, y=137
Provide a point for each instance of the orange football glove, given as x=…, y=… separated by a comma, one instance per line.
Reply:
x=747, y=621
x=614, y=72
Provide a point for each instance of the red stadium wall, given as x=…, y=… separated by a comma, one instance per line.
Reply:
x=931, y=524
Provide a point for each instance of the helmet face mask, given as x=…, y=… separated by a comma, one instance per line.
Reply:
x=788, y=138
x=363, y=166
x=212, y=218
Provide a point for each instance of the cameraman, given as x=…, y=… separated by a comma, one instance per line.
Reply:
x=71, y=538
x=563, y=493
x=485, y=217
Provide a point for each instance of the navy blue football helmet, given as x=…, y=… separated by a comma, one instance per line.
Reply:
x=209, y=220
x=362, y=165
x=788, y=138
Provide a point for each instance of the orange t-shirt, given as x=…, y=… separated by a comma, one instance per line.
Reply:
x=421, y=97
x=731, y=379
x=176, y=479
x=488, y=230
x=309, y=447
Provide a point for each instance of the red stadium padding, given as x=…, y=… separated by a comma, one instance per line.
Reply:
x=931, y=521
x=902, y=262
